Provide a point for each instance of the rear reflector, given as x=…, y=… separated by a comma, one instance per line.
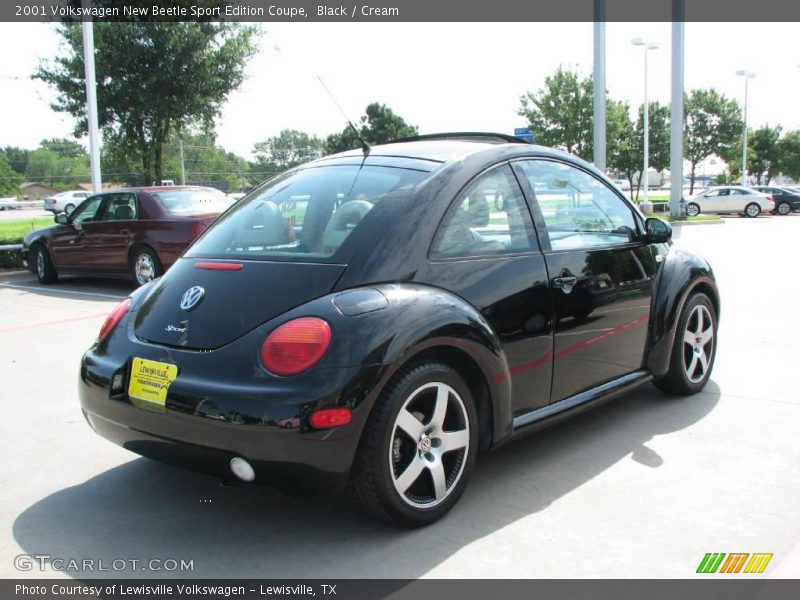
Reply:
x=219, y=266
x=113, y=319
x=331, y=417
x=296, y=346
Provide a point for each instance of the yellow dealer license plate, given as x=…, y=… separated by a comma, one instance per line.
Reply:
x=150, y=380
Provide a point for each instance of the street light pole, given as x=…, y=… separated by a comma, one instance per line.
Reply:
x=747, y=76
x=91, y=102
x=646, y=207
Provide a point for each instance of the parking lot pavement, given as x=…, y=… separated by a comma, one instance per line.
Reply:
x=641, y=487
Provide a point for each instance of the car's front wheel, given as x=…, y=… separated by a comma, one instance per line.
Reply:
x=694, y=348
x=69, y=208
x=419, y=447
x=752, y=210
x=693, y=209
x=45, y=270
x=783, y=209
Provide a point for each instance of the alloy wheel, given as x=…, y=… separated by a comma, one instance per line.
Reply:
x=783, y=209
x=429, y=445
x=145, y=269
x=752, y=210
x=692, y=210
x=698, y=343
x=40, y=264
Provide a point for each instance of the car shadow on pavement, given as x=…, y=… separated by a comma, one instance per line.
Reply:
x=143, y=510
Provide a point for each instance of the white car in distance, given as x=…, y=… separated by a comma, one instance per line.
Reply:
x=730, y=199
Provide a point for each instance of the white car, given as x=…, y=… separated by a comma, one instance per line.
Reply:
x=65, y=201
x=9, y=204
x=730, y=199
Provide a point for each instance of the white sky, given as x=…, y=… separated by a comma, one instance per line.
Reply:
x=441, y=77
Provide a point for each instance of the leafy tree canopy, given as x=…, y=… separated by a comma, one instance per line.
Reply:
x=380, y=124
x=287, y=149
x=152, y=79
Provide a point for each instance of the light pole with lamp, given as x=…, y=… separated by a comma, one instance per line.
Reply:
x=647, y=208
x=747, y=76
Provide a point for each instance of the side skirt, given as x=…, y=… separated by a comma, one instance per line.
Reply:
x=552, y=413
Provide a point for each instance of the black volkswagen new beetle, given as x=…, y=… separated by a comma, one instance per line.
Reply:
x=375, y=320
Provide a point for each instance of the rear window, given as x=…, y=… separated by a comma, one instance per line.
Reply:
x=305, y=214
x=189, y=203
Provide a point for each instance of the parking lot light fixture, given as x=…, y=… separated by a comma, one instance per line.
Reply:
x=747, y=75
x=644, y=177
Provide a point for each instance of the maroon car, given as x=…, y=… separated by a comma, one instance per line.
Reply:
x=134, y=232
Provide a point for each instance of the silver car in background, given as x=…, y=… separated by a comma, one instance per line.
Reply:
x=730, y=199
x=65, y=201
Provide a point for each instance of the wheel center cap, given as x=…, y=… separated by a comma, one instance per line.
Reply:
x=425, y=444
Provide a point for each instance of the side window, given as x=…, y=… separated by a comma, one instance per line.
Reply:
x=88, y=210
x=121, y=207
x=711, y=194
x=488, y=218
x=579, y=210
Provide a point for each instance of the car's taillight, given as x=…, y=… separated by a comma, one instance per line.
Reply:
x=296, y=346
x=114, y=318
x=330, y=417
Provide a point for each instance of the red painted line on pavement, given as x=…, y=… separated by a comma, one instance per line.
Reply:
x=46, y=323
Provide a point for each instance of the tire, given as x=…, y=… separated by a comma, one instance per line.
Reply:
x=69, y=208
x=694, y=349
x=692, y=209
x=783, y=209
x=145, y=265
x=752, y=210
x=45, y=270
x=394, y=471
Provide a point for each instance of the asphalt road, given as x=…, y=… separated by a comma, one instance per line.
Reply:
x=641, y=487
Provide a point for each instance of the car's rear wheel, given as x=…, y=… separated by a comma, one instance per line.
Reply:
x=783, y=209
x=418, y=448
x=145, y=265
x=752, y=210
x=693, y=209
x=694, y=348
x=45, y=270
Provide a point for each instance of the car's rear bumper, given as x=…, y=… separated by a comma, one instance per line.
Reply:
x=198, y=430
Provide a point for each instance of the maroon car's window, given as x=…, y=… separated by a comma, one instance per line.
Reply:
x=120, y=207
x=305, y=214
x=187, y=203
x=87, y=211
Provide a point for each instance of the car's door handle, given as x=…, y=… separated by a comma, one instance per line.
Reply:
x=125, y=231
x=565, y=283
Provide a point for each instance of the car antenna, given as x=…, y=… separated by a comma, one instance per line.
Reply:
x=364, y=145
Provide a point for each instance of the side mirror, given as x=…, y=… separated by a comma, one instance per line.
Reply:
x=657, y=231
x=61, y=218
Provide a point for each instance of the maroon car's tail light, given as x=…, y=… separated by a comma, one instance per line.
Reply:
x=296, y=346
x=219, y=266
x=330, y=417
x=113, y=319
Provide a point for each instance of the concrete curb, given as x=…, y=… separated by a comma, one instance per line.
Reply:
x=693, y=223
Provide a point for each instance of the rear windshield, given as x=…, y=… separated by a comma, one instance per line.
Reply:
x=305, y=214
x=187, y=203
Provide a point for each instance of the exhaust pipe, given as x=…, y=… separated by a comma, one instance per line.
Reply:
x=242, y=469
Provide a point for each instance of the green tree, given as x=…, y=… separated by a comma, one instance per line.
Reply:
x=64, y=147
x=625, y=155
x=152, y=79
x=59, y=171
x=561, y=113
x=712, y=124
x=17, y=158
x=9, y=178
x=287, y=149
x=379, y=124
x=763, y=153
x=789, y=153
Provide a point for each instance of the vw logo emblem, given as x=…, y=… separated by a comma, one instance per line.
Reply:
x=192, y=297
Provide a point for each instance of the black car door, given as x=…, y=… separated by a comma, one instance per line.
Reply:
x=600, y=274
x=486, y=252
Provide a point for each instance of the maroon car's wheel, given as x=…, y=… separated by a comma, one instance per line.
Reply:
x=419, y=447
x=145, y=265
x=45, y=270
